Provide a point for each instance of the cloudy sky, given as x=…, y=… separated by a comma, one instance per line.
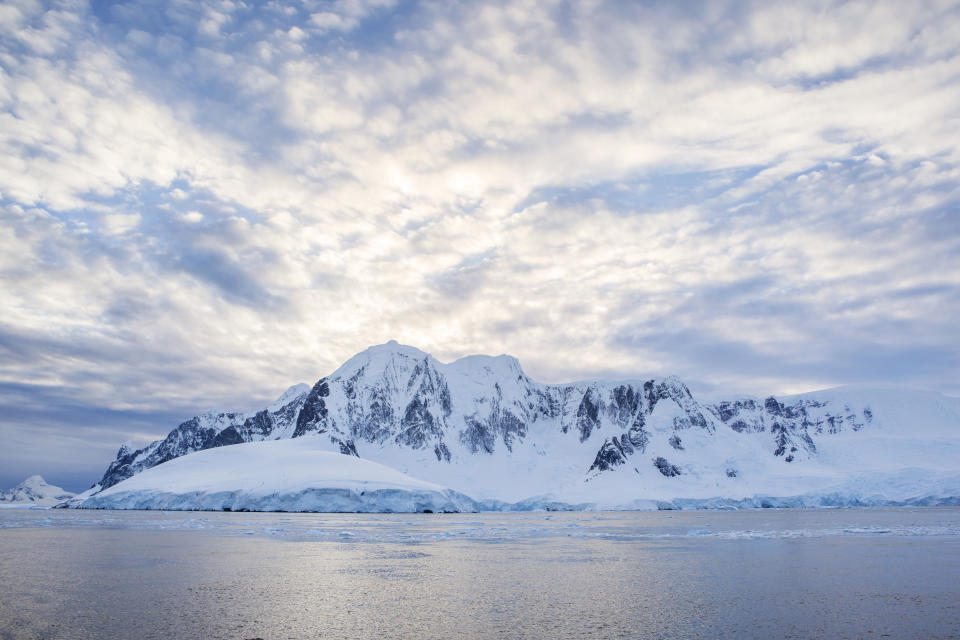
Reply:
x=205, y=202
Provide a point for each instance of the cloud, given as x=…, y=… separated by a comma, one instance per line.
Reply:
x=346, y=15
x=67, y=441
x=205, y=202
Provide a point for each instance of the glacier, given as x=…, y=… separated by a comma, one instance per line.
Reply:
x=280, y=475
x=480, y=427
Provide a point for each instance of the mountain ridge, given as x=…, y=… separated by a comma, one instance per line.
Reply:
x=465, y=423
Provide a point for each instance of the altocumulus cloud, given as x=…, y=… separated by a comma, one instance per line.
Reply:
x=203, y=202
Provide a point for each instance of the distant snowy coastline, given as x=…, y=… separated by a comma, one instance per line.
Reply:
x=299, y=476
x=34, y=492
x=478, y=434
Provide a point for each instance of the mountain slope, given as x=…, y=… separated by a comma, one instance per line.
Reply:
x=481, y=426
x=283, y=475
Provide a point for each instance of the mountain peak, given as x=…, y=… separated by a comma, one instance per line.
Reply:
x=35, y=490
x=379, y=356
x=289, y=396
x=392, y=346
x=501, y=366
x=33, y=481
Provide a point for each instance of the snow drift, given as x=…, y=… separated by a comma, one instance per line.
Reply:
x=284, y=475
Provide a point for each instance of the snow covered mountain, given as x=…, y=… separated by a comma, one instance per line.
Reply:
x=480, y=426
x=34, y=491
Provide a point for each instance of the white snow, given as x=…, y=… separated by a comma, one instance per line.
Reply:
x=289, y=396
x=34, y=491
x=282, y=475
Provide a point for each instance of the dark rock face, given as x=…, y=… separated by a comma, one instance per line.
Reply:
x=790, y=425
x=615, y=451
x=313, y=414
x=667, y=469
x=504, y=423
x=482, y=432
x=588, y=414
x=637, y=437
x=612, y=454
x=730, y=412
x=373, y=425
x=442, y=452
x=482, y=435
x=418, y=425
x=673, y=389
x=120, y=469
x=477, y=437
x=779, y=438
x=625, y=401
x=228, y=436
x=347, y=448
x=260, y=425
x=773, y=407
x=629, y=407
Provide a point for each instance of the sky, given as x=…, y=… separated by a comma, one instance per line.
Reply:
x=204, y=203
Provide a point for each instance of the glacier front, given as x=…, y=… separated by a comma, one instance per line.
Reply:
x=281, y=475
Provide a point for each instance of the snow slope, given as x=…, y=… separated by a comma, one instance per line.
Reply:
x=34, y=491
x=284, y=475
x=480, y=426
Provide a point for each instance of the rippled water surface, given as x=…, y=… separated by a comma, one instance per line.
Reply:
x=850, y=573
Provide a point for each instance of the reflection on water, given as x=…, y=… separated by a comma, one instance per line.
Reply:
x=769, y=574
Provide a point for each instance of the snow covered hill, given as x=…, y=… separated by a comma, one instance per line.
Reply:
x=34, y=491
x=286, y=475
x=480, y=426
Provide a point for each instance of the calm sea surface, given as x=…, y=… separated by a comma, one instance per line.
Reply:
x=850, y=573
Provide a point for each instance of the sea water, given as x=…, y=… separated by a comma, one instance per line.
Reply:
x=845, y=573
